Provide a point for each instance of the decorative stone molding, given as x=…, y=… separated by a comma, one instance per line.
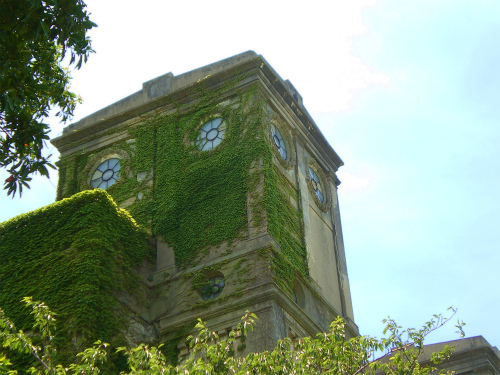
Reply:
x=332, y=177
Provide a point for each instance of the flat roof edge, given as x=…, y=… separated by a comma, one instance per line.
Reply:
x=159, y=87
x=167, y=84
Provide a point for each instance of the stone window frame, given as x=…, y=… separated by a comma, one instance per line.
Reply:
x=101, y=157
x=208, y=276
x=327, y=204
x=191, y=144
x=290, y=161
x=206, y=121
x=101, y=174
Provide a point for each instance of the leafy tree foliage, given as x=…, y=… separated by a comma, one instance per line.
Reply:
x=327, y=353
x=35, y=37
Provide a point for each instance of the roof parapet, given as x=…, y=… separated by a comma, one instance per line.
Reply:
x=159, y=87
x=167, y=84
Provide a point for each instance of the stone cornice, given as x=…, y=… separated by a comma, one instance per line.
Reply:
x=160, y=92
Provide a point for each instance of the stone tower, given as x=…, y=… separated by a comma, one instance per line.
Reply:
x=236, y=184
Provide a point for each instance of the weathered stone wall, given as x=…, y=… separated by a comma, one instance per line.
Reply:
x=244, y=212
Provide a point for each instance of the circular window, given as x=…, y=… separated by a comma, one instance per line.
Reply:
x=213, y=288
x=106, y=174
x=316, y=185
x=281, y=142
x=211, y=134
x=278, y=141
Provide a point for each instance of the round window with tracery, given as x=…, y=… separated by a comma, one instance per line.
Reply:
x=211, y=134
x=213, y=288
x=106, y=174
x=316, y=185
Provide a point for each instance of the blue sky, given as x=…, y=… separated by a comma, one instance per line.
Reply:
x=408, y=94
x=426, y=147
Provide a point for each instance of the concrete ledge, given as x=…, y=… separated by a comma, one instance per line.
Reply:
x=155, y=92
x=159, y=87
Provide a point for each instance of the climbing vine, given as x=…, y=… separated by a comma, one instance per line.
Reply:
x=285, y=225
x=197, y=200
x=79, y=255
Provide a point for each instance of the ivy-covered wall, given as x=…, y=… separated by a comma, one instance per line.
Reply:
x=197, y=199
x=200, y=196
x=285, y=225
x=202, y=204
x=78, y=255
x=200, y=200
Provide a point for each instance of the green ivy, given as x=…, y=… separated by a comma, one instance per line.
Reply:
x=78, y=255
x=197, y=200
x=170, y=347
x=285, y=225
